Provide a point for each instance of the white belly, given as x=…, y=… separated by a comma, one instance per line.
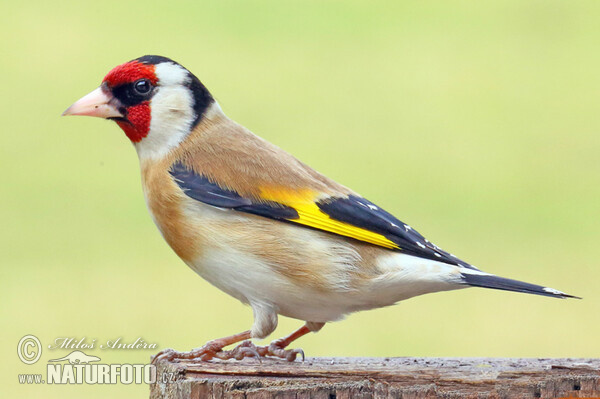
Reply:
x=302, y=273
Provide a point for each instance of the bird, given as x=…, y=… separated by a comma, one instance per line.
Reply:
x=261, y=225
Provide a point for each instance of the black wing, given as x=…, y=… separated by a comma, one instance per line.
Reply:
x=351, y=210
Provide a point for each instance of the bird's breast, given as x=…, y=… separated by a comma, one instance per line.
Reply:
x=166, y=203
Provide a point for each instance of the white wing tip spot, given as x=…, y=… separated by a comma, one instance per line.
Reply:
x=553, y=291
x=464, y=270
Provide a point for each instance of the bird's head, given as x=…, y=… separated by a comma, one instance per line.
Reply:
x=153, y=99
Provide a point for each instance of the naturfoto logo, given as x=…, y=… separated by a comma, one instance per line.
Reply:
x=78, y=370
x=78, y=367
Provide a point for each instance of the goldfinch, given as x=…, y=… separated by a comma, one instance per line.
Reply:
x=261, y=225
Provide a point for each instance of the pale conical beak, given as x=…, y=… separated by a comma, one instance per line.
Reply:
x=97, y=103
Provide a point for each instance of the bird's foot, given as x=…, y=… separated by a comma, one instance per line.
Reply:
x=244, y=350
x=274, y=349
x=209, y=351
x=214, y=349
x=277, y=349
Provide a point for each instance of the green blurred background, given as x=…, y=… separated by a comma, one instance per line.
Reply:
x=475, y=122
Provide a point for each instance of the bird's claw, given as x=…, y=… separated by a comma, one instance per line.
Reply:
x=164, y=355
x=277, y=349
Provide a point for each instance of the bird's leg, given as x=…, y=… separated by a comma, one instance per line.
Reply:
x=210, y=350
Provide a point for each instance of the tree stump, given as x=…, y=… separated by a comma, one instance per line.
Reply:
x=341, y=378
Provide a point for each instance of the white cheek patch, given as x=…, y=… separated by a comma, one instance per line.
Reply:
x=172, y=109
x=172, y=118
x=170, y=74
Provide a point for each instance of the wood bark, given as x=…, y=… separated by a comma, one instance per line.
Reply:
x=407, y=378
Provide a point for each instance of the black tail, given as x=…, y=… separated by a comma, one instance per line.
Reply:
x=506, y=284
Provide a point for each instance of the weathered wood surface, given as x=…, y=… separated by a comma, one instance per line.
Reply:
x=341, y=378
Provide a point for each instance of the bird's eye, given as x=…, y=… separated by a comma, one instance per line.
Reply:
x=142, y=86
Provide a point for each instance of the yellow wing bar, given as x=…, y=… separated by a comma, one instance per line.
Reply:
x=309, y=214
